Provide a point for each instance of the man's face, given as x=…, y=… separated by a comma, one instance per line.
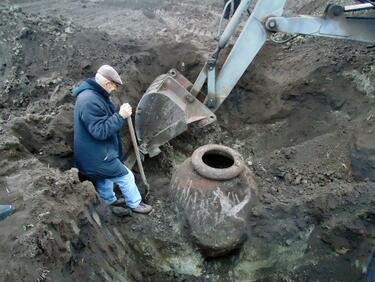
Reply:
x=111, y=86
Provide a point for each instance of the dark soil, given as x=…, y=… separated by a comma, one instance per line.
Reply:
x=295, y=117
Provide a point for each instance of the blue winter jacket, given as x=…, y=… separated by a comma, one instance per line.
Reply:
x=97, y=143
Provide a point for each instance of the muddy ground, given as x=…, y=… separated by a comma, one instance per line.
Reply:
x=297, y=116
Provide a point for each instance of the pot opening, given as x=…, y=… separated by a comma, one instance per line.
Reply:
x=218, y=159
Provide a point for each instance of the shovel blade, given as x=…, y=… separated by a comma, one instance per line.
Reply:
x=166, y=110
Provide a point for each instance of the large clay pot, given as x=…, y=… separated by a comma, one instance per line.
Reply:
x=213, y=191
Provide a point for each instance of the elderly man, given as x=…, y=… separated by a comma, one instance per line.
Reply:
x=97, y=144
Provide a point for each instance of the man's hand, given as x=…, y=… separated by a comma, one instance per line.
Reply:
x=125, y=110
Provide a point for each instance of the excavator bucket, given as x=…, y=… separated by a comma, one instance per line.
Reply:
x=166, y=110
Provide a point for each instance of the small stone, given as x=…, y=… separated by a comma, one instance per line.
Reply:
x=279, y=172
x=96, y=217
x=298, y=180
x=85, y=64
x=69, y=30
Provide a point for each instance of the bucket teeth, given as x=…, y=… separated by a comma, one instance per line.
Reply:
x=165, y=111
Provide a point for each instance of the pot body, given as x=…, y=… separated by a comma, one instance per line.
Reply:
x=214, y=191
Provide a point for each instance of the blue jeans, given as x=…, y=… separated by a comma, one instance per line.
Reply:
x=127, y=186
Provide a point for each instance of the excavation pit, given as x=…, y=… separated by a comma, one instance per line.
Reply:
x=292, y=117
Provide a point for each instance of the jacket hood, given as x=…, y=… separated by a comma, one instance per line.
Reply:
x=91, y=85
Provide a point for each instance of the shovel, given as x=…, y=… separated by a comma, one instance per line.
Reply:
x=138, y=156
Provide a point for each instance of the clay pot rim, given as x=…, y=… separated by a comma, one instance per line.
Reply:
x=217, y=173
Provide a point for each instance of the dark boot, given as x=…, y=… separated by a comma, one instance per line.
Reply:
x=119, y=208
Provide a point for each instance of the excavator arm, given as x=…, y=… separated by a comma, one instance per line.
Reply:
x=171, y=103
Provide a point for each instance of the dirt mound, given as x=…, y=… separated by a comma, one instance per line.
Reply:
x=48, y=57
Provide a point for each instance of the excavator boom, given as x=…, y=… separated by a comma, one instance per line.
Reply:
x=170, y=105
